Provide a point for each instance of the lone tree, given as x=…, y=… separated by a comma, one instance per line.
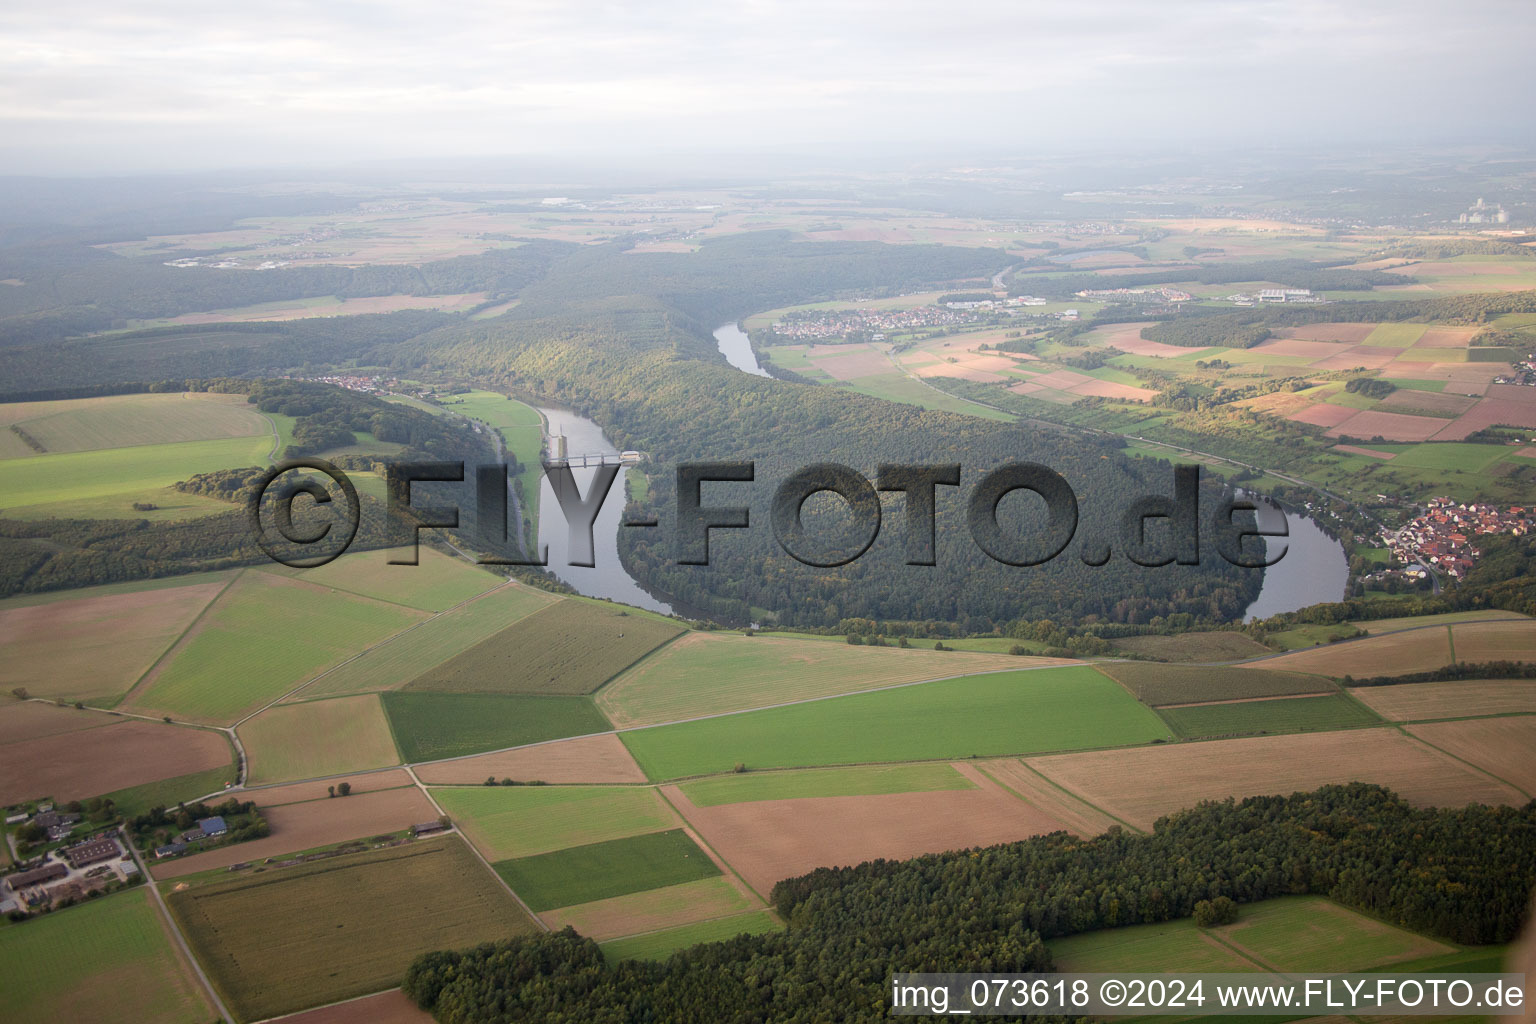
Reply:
x=344, y=788
x=1219, y=911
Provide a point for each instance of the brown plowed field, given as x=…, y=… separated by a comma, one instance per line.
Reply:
x=1372, y=452
x=1323, y=415
x=1496, y=641
x=302, y=826
x=1299, y=347
x=1391, y=426
x=1142, y=784
x=1414, y=650
x=1438, y=404
x=768, y=840
x=127, y=753
x=1074, y=815
x=392, y=1007
x=1490, y=412
x=1505, y=747
x=1419, y=701
x=1351, y=333
x=592, y=759
x=1109, y=389
x=32, y=720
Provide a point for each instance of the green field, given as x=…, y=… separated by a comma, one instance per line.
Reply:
x=435, y=584
x=432, y=726
x=263, y=636
x=864, y=780
x=522, y=431
x=997, y=714
x=518, y=821
x=122, y=421
x=1169, y=947
x=1395, y=335
x=332, y=929
x=662, y=944
x=570, y=647
x=407, y=655
x=598, y=871
x=1186, y=684
x=1297, y=714
x=1309, y=933
x=168, y=792
x=318, y=738
x=108, y=960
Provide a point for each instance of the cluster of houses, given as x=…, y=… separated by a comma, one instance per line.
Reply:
x=204, y=830
x=1138, y=296
x=838, y=323
x=68, y=873
x=1442, y=536
x=1275, y=295
x=57, y=825
x=1521, y=372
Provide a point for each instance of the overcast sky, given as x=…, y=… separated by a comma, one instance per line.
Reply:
x=97, y=86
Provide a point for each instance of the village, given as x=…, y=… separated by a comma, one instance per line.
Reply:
x=1440, y=539
x=875, y=324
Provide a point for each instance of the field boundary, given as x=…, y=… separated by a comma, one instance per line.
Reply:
x=1241, y=700
x=1057, y=786
x=159, y=662
x=1403, y=728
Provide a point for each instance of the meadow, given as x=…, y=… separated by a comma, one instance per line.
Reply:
x=320, y=932
x=571, y=647
x=263, y=637
x=709, y=673
x=1255, y=717
x=436, y=583
x=522, y=431
x=1186, y=684
x=432, y=726
x=1167, y=947
x=507, y=822
x=659, y=945
x=122, y=421
x=108, y=959
x=318, y=738
x=863, y=780
x=988, y=715
x=1309, y=933
x=599, y=871
x=407, y=655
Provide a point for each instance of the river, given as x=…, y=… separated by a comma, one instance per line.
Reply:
x=608, y=578
x=1314, y=567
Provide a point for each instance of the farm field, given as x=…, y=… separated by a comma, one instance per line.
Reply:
x=135, y=800
x=298, y=792
x=409, y=654
x=34, y=720
x=1075, y=815
x=1309, y=933
x=591, y=759
x=320, y=305
x=431, y=726
x=392, y=1007
x=507, y=822
x=1444, y=619
x=123, y=421
x=709, y=673
x=570, y=647
x=328, y=930
x=995, y=714
x=108, y=959
x=1291, y=714
x=662, y=944
x=864, y=780
x=318, y=738
x=1421, y=701
x=278, y=631
x=1185, y=684
x=1140, y=786
x=1478, y=642
x=600, y=871
x=1220, y=645
x=768, y=840
x=312, y=823
x=436, y=583
x=667, y=907
x=1392, y=654
x=1168, y=947
x=94, y=648
x=125, y=753
x=522, y=431
x=1500, y=746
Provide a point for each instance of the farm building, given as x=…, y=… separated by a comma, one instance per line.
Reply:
x=36, y=876
x=170, y=849
x=427, y=828
x=213, y=826
x=92, y=852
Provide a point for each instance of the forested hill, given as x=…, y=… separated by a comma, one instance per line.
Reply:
x=635, y=354
x=1463, y=875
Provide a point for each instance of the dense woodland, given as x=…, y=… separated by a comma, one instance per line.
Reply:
x=1464, y=875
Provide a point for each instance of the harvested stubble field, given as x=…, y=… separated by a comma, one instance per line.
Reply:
x=1414, y=650
x=318, y=738
x=1186, y=684
x=1219, y=645
x=590, y=759
x=94, y=648
x=1253, y=717
x=75, y=766
x=599, y=871
x=261, y=638
x=709, y=673
x=436, y=583
x=298, y=792
x=422, y=647
x=1142, y=785
x=108, y=960
x=1500, y=746
x=1419, y=702
x=313, y=823
x=861, y=780
x=768, y=840
x=570, y=647
x=520, y=821
x=432, y=726
x=324, y=931
x=996, y=714
x=662, y=944
x=1075, y=815
x=1495, y=641
x=1446, y=619
x=668, y=907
